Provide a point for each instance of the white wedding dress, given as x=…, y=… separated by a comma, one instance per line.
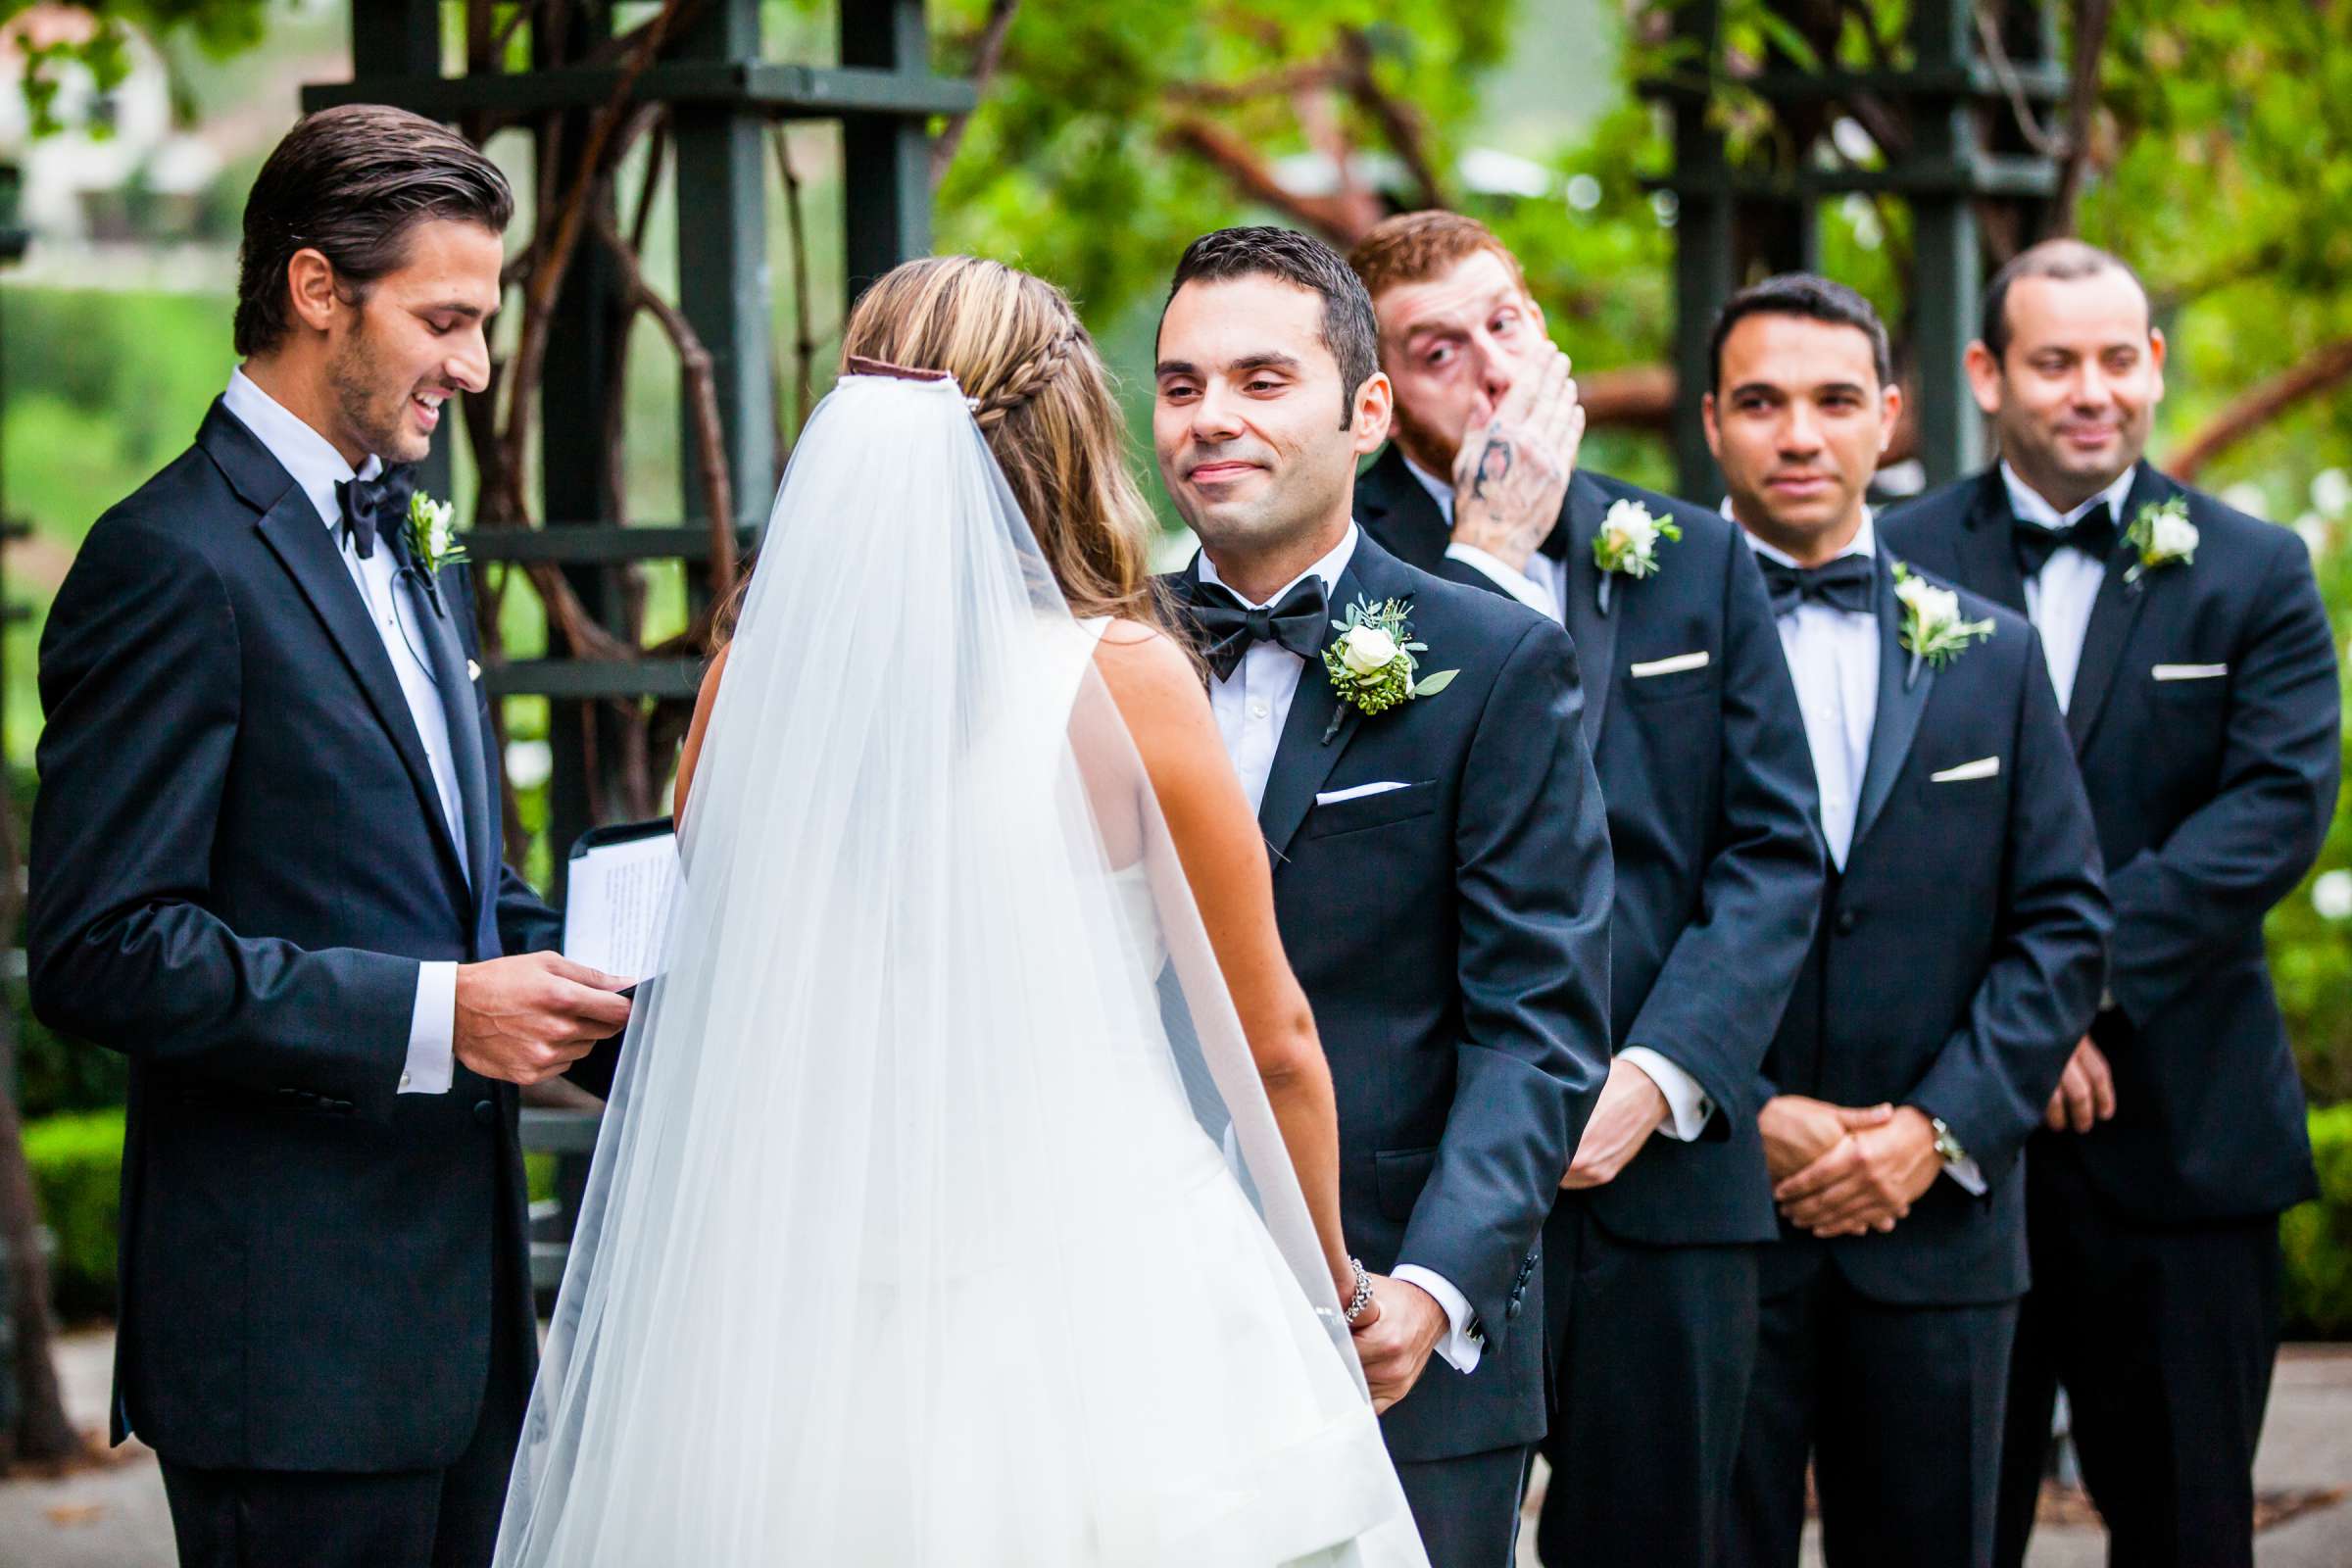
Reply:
x=938, y=1216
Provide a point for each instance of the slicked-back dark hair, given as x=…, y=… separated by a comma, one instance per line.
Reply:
x=1807, y=295
x=2061, y=258
x=351, y=182
x=1349, y=330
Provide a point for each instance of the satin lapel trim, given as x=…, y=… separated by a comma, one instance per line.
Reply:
x=1302, y=761
x=1901, y=702
x=2113, y=614
x=1594, y=633
x=307, y=549
x=464, y=721
x=1987, y=553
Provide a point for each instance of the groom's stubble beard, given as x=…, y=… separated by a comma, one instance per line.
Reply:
x=1297, y=503
x=371, y=405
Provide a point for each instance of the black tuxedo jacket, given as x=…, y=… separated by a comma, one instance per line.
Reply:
x=239, y=861
x=1453, y=938
x=1960, y=953
x=2212, y=795
x=1710, y=798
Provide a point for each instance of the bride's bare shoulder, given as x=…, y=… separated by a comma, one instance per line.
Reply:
x=1143, y=664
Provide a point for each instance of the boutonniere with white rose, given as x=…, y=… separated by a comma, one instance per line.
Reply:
x=1371, y=661
x=1627, y=544
x=433, y=540
x=2161, y=536
x=1932, y=632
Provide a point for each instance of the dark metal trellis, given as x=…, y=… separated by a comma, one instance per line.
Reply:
x=721, y=97
x=1970, y=175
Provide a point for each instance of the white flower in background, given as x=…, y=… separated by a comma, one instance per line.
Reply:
x=530, y=763
x=2330, y=492
x=2332, y=895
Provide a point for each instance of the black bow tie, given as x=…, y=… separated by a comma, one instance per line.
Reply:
x=2094, y=533
x=1296, y=621
x=373, y=507
x=1845, y=583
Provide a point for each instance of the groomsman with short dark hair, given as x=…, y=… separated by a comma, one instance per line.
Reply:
x=1650, y=1251
x=2194, y=659
x=1957, y=960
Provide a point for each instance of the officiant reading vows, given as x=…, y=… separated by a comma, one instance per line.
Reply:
x=267, y=868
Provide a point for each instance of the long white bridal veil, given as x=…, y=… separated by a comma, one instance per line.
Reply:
x=938, y=1215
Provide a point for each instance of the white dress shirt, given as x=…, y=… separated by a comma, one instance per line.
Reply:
x=1544, y=589
x=1251, y=705
x=2059, y=597
x=316, y=467
x=1833, y=660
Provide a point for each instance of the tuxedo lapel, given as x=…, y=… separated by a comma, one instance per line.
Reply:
x=2113, y=614
x=1987, y=544
x=1595, y=634
x=290, y=525
x=456, y=687
x=1302, y=757
x=1901, y=702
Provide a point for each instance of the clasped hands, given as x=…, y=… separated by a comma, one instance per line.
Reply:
x=528, y=1018
x=1844, y=1171
x=1396, y=1337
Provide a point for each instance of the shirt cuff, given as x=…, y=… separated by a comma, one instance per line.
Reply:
x=1964, y=1171
x=1518, y=584
x=1686, y=1104
x=432, y=1032
x=1460, y=1347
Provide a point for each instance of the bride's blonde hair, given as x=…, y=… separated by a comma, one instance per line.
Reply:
x=1040, y=395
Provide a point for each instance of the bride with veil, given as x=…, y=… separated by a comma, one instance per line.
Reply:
x=968, y=1191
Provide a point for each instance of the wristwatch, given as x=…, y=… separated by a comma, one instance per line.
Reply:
x=1947, y=1146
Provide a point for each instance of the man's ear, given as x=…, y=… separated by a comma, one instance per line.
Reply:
x=1983, y=376
x=1375, y=402
x=1706, y=420
x=1891, y=416
x=311, y=286
x=2156, y=353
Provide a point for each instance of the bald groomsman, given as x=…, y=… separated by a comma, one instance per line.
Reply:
x=2193, y=660
x=1650, y=1251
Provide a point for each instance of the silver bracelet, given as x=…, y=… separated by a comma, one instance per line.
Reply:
x=1362, y=1297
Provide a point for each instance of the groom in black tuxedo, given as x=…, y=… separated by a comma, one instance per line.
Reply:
x=1441, y=867
x=2198, y=677
x=1650, y=1253
x=267, y=868
x=1958, y=958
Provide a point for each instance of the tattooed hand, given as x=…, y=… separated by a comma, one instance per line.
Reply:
x=1511, y=473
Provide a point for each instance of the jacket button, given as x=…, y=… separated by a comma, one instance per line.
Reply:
x=484, y=1112
x=1514, y=1309
x=1845, y=922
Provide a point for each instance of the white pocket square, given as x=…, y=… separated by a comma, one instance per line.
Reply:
x=473, y=672
x=1334, y=797
x=1981, y=767
x=2190, y=672
x=1668, y=666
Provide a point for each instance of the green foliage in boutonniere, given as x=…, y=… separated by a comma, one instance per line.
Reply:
x=1371, y=661
x=2161, y=536
x=432, y=540
x=1931, y=625
x=1627, y=544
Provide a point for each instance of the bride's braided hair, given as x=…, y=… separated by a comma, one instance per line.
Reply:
x=1031, y=377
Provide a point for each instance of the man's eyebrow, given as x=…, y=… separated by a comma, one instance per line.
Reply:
x=1266, y=361
x=1745, y=387
x=1175, y=368
x=471, y=313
